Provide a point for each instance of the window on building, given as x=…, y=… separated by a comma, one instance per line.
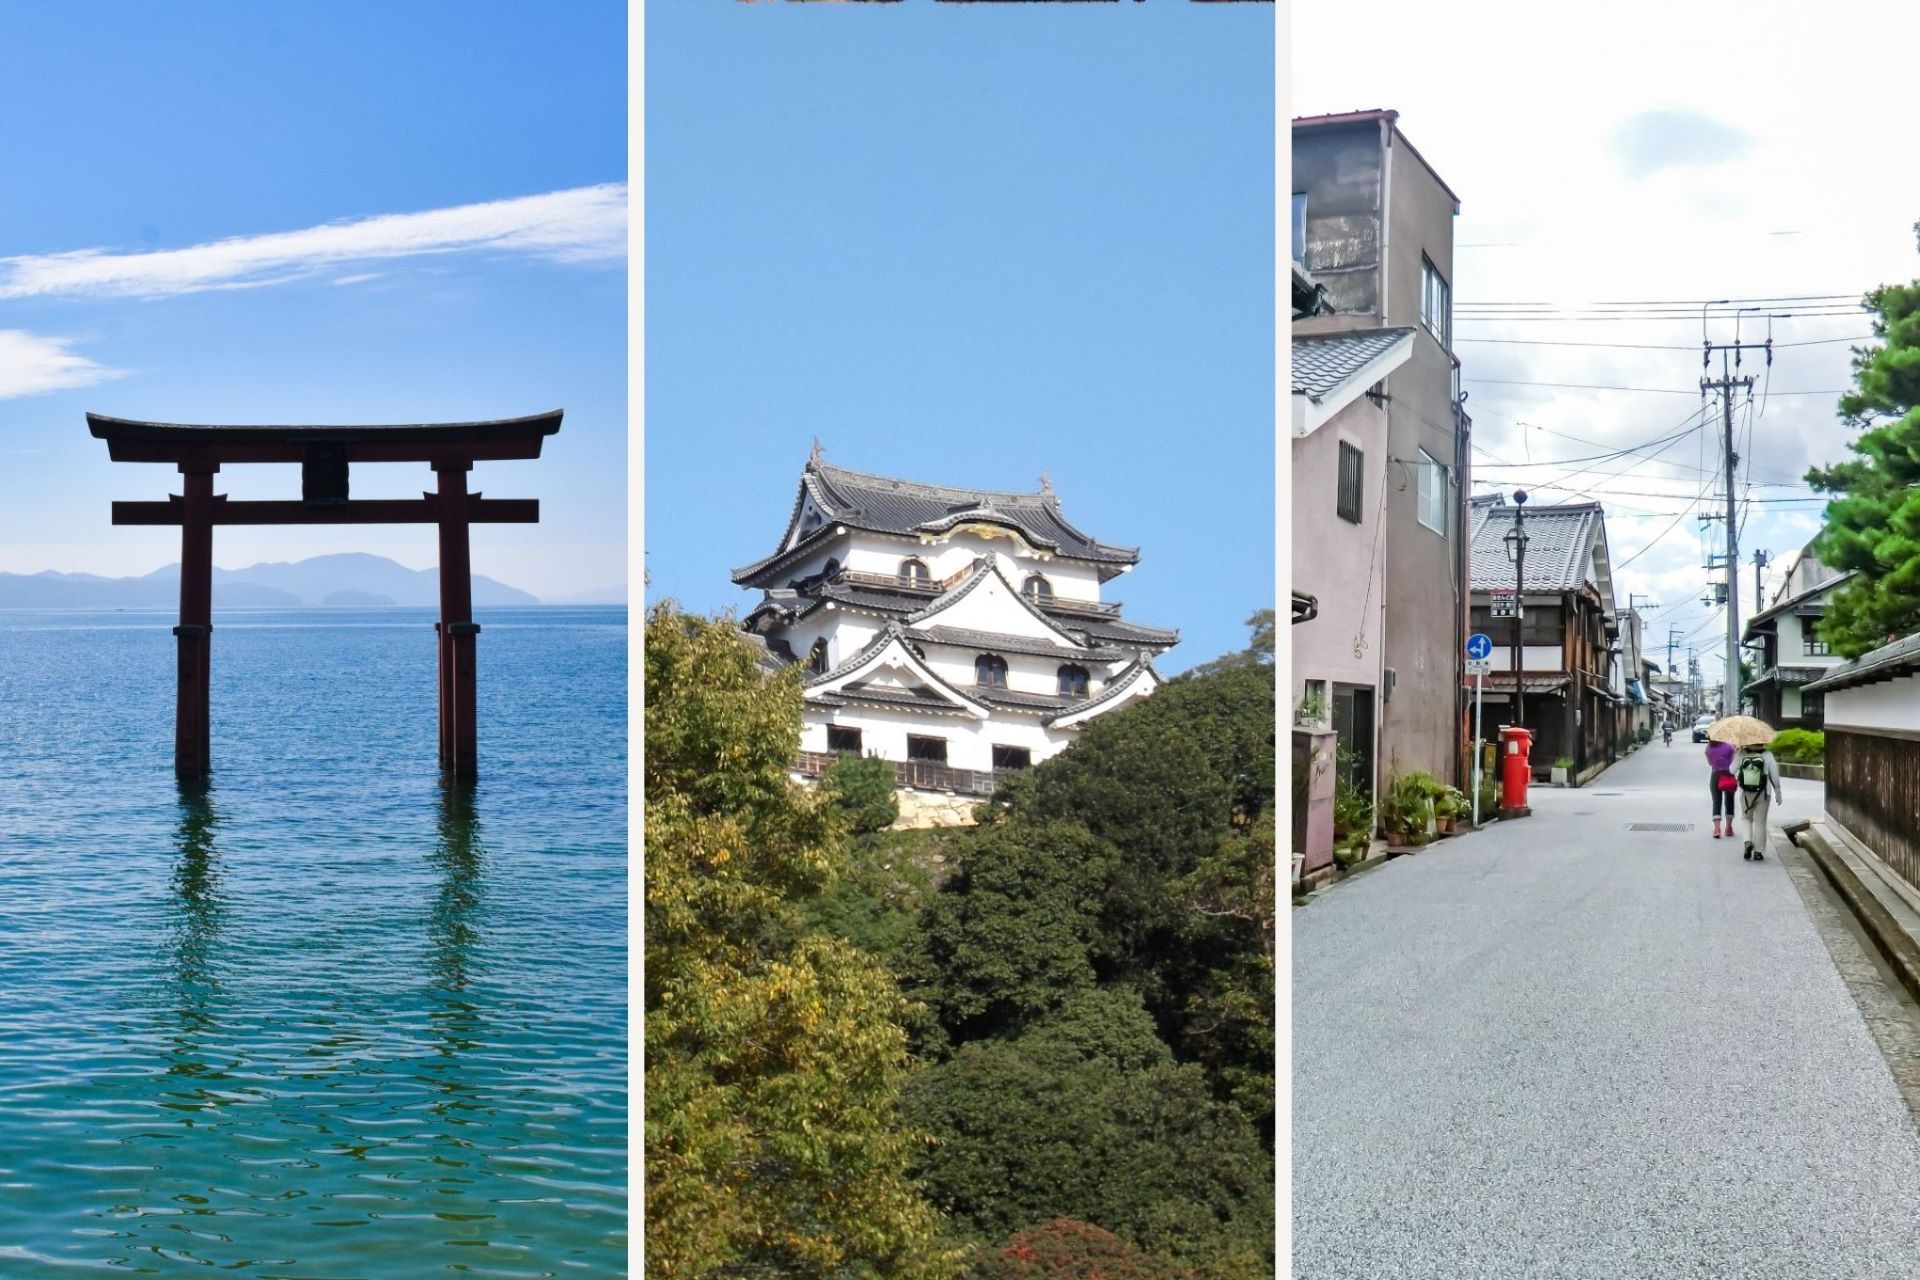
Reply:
x=914, y=573
x=1012, y=758
x=1436, y=304
x=817, y=660
x=1300, y=227
x=990, y=669
x=1431, y=475
x=1813, y=710
x=1073, y=681
x=840, y=738
x=931, y=750
x=1037, y=589
x=1347, y=502
x=1810, y=630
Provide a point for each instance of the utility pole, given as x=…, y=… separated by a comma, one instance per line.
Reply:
x=1725, y=384
x=1760, y=561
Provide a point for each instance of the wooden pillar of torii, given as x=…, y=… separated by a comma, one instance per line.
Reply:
x=324, y=454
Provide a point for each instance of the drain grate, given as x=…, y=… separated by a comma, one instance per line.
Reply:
x=1659, y=826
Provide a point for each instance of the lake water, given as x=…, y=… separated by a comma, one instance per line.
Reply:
x=328, y=1019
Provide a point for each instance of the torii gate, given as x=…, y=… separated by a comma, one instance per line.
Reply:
x=324, y=454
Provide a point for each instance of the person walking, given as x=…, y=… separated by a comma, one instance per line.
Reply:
x=1720, y=764
x=1758, y=774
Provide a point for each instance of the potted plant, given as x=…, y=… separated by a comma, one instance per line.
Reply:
x=1562, y=771
x=1407, y=812
x=1312, y=710
x=1449, y=807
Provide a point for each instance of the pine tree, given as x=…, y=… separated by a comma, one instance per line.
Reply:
x=1873, y=523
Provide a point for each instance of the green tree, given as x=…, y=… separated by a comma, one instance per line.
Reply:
x=861, y=787
x=1114, y=1134
x=774, y=1054
x=1259, y=650
x=1873, y=523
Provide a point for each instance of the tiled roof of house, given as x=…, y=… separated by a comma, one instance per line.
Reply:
x=1560, y=543
x=1901, y=658
x=1323, y=362
x=1815, y=592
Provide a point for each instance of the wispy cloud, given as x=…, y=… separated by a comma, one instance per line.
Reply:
x=31, y=364
x=585, y=224
x=1649, y=141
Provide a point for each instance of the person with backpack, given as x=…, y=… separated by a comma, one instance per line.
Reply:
x=1759, y=775
x=1720, y=764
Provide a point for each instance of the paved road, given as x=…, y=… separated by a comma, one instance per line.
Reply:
x=1557, y=1048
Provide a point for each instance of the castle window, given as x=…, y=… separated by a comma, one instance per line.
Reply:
x=841, y=738
x=914, y=574
x=1038, y=589
x=931, y=750
x=1012, y=758
x=1073, y=681
x=817, y=660
x=990, y=669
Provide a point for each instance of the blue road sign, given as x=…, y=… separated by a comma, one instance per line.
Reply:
x=1479, y=647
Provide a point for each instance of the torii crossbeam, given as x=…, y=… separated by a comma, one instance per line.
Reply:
x=324, y=454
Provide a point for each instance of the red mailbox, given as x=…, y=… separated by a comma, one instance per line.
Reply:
x=1516, y=770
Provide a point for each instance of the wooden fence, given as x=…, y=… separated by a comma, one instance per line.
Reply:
x=1873, y=789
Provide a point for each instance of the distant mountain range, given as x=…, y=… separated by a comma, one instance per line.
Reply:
x=349, y=581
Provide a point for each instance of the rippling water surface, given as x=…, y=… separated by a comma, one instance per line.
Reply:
x=329, y=1017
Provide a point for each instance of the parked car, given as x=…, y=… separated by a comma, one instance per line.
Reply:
x=1700, y=728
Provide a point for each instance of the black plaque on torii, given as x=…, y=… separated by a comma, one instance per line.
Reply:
x=324, y=455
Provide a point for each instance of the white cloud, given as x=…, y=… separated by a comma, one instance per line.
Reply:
x=581, y=225
x=31, y=364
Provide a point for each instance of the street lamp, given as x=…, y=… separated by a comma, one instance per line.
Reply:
x=1516, y=541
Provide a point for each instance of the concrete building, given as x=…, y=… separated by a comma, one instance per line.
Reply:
x=957, y=632
x=1341, y=476
x=1373, y=234
x=1789, y=655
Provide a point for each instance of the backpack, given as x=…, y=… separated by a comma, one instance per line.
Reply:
x=1753, y=773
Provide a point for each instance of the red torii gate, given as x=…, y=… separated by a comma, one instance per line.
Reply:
x=324, y=454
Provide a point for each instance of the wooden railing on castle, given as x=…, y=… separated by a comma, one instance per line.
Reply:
x=919, y=775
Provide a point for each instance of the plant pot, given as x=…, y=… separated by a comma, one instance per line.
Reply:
x=1559, y=776
x=1444, y=825
x=1299, y=861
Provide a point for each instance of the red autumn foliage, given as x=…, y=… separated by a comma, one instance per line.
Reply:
x=1068, y=1250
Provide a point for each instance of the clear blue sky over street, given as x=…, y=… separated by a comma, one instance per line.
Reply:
x=967, y=244
x=340, y=212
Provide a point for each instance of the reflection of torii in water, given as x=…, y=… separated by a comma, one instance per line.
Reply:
x=457, y=856
x=196, y=879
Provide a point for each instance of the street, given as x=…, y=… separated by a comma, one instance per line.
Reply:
x=1561, y=1048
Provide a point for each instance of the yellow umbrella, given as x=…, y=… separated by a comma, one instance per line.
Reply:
x=1741, y=731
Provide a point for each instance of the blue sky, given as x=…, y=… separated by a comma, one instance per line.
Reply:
x=165, y=252
x=967, y=244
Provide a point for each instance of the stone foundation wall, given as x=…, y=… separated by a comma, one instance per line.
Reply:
x=920, y=810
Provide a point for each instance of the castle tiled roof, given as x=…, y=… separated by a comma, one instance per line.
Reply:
x=886, y=505
x=907, y=508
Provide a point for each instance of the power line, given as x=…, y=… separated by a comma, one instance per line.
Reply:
x=1600, y=386
x=1647, y=346
x=1694, y=304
